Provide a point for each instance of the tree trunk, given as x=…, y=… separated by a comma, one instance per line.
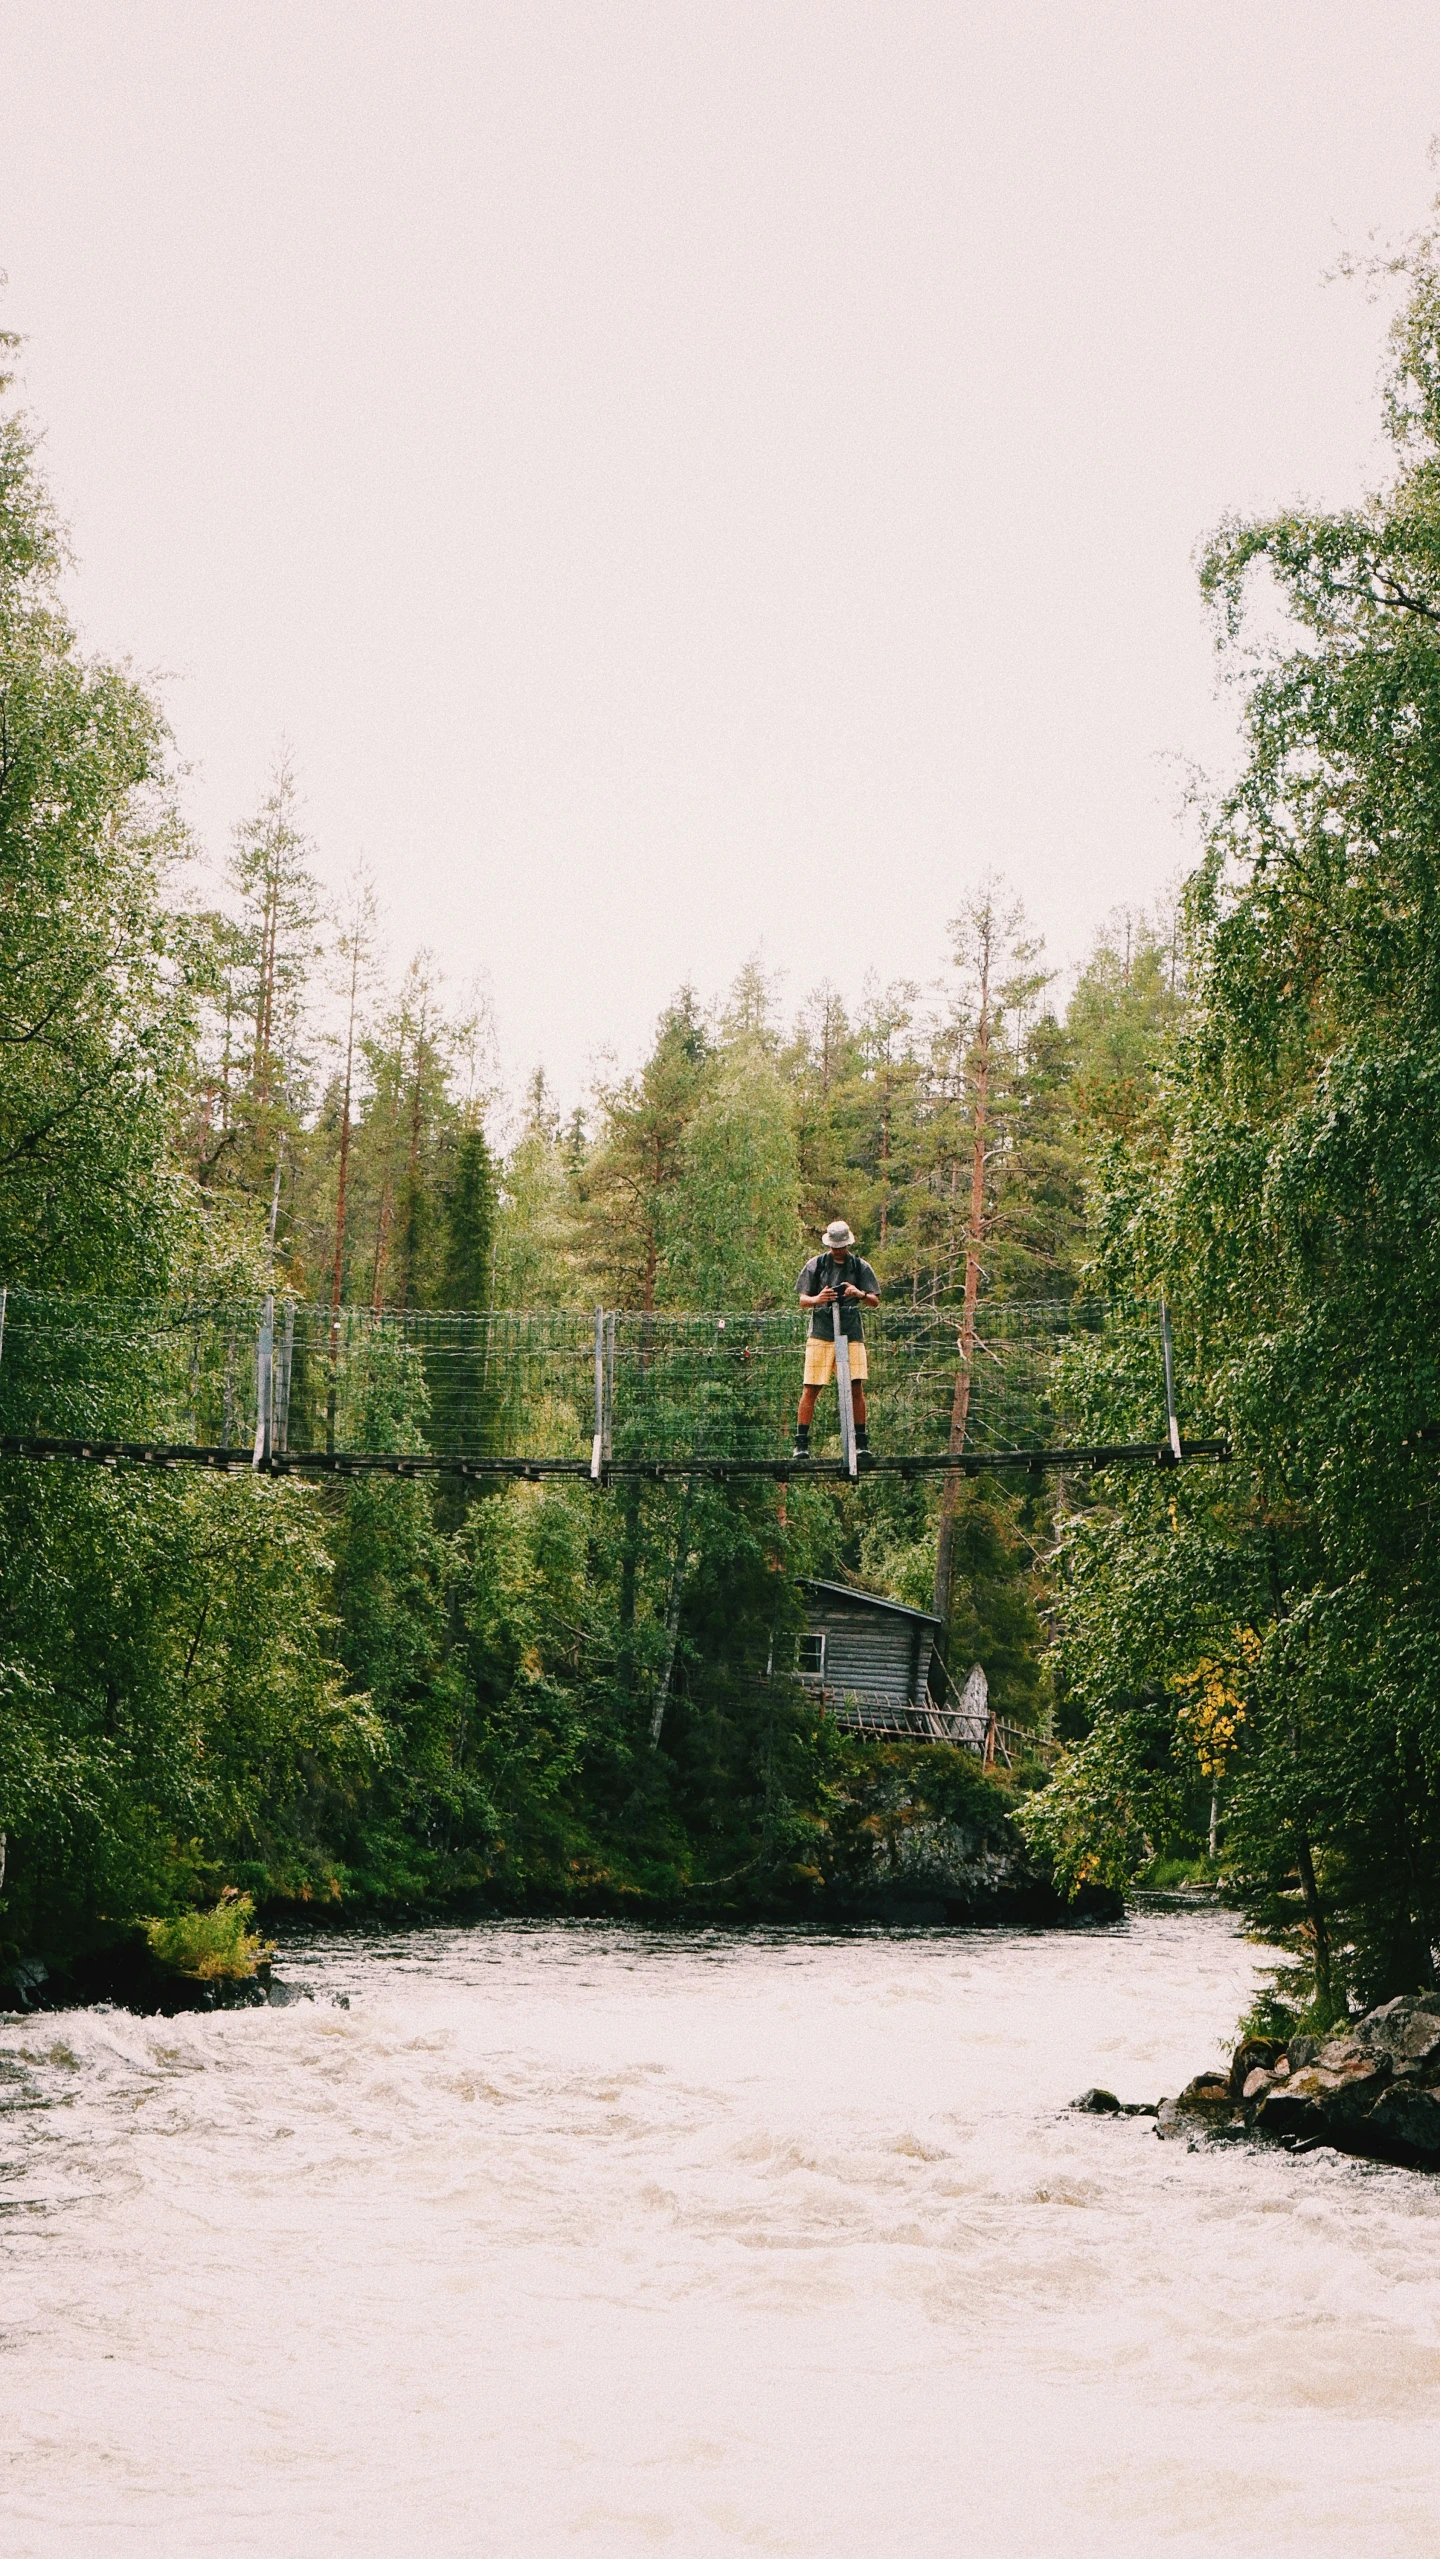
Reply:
x=1315, y=1913
x=265, y=998
x=382, y=1251
x=629, y=1560
x=412, y=1172
x=337, y=1274
x=386, y=1219
x=672, y=1616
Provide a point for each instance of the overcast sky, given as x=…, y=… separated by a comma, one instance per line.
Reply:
x=700, y=477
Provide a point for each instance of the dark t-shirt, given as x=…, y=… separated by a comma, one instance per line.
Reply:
x=830, y=1270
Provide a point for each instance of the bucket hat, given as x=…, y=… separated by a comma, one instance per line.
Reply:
x=837, y=1233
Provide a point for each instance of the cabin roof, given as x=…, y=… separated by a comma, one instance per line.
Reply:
x=867, y=1599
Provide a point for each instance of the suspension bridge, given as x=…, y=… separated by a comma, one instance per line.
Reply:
x=286, y=1388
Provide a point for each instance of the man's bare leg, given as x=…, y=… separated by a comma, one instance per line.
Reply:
x=810, y=1397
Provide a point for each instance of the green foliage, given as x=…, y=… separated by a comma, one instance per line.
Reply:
x=626, y=1185
x=1129, y=1001
x=94, y=1013
x=213, y=1945
x=534, y=1263
x=379, y=1694
x=1288, y=1204
x=731, y=1230
x=170, y=1677
x=470, y=1210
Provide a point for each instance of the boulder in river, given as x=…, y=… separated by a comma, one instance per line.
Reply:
x=1372, y=2089
x=1204, y=2105
x=1406, y=2120
x=1332, y=2096
x=1208, y=2093
x=1258, y=2052
x=1407, y=2029
x=1103, y=2101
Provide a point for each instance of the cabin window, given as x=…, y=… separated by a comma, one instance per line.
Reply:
x=810, y=1656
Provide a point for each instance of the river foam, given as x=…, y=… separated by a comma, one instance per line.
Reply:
x=568, y=2238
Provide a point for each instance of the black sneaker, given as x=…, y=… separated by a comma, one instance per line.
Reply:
x=800, y=1449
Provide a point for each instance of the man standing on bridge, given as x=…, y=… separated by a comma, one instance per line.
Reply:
x=838, y=1272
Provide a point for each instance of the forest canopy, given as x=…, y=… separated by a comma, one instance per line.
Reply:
x=383, y=1693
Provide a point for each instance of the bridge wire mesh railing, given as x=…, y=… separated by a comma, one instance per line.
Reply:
x=728, y=1384
x=294, y=1383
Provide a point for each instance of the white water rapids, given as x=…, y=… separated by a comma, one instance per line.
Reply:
x=576, y=2239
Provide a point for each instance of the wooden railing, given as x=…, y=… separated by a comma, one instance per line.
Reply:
x=870, y=1710
x=1013, y=1741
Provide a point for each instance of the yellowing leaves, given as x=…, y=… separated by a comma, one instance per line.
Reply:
x=1214, y=1710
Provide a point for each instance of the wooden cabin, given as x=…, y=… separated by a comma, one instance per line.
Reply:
x=869, y=1661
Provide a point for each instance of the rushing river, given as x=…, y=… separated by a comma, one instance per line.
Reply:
x=573, y=2239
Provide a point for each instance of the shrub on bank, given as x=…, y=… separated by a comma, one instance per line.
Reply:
x=211, y=1945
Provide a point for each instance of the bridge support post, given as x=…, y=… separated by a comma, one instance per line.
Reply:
x=597, y=1444
x=282, y=1383
x=1169, y=1380
x=844, y=1391
x=264, y=1385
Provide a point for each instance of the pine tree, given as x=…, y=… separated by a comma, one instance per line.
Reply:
x=629, y=1176
x=1129, y=1002
x=535, y=1264
x=731, y=1232
x=467, y=1278
x=271, y=959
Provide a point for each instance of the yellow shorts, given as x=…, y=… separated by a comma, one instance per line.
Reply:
x=820, y=1361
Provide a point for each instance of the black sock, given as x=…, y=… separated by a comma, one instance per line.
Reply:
x=802, y=1434
x=862, y=1435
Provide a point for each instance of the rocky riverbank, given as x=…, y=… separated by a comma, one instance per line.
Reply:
x=919, y=1836
x=129, y=1976
x=1372, y=2089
